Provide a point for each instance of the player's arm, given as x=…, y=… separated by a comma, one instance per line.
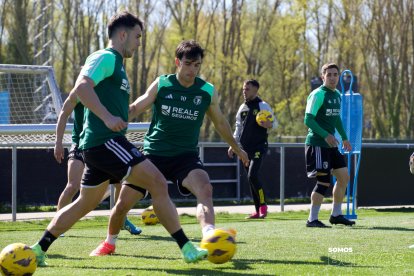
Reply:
x=237, y=131
x=86, y=93
x=267, y=124
x=222, y=126
x=98, y=66
x=64, y=114
x=346, y=145
x=143, y=102
x=313, y=105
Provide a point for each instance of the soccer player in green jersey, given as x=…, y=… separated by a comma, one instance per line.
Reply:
x=103, y=88
x=323, y=158
x=179, y=102
x=76, y=163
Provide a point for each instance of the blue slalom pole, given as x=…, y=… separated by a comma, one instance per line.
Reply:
x=351, y=113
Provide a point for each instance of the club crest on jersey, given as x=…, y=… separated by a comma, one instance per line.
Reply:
x=255, y=111
x=197, y=100
x=325, y=165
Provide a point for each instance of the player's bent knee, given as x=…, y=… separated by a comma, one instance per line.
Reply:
x=320, y=189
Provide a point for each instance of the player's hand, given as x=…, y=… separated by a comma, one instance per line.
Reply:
x=331, y=140
x=243, y=157
x=346, y=145
x=266, y=124
x=116, y=124
x=58, y=152
x=230, y=152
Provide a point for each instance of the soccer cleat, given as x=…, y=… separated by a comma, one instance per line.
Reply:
x=131, y=228
x=40, y=255
x=341, y=220
x=254, y=215
x=193, y=254
x=315, y=223
x=263, y=211
x=103, y=249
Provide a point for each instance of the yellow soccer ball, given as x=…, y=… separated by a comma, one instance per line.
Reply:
x=17, y=259
x=263, y=116
x=149, y=217
x=221, y=246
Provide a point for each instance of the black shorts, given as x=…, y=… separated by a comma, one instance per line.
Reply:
x=75, y=153
x=176, y=168
x=112, y=160
x=322, y=160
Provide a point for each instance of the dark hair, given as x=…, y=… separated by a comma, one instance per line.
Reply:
x=253, y=82
x=189, y=49
x=329, y=66
x=123, y=19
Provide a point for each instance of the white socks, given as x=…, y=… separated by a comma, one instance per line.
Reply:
x=314, y=212
x=111, y=239
x=207, y=228
x=336, y=209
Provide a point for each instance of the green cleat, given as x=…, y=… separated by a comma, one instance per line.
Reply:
x=193, y=254
x=40, y=255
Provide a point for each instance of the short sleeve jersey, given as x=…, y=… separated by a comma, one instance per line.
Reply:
x=77, y=123
x=325, y=105
x=177, y=116
x=105, y=68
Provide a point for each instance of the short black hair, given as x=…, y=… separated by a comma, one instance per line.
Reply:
x=190, y=49
x=329, y=66
x=253, y=82
x=123, y=19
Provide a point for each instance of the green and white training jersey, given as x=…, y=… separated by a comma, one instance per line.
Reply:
x=105, y=68
x=177, y=116
x=323, y=107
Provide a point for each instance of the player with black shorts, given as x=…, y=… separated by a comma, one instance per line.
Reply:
x=103, y=88
x=179, y=103
x=323, y=159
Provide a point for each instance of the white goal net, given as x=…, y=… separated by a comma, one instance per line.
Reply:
x=30, y=102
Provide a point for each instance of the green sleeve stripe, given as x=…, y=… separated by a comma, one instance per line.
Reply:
x=99, y=66
x=314, y=102
x=209, y=88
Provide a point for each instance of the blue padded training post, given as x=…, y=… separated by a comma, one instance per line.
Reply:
x=352, y=119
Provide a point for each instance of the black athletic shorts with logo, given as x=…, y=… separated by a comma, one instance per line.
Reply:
x=112, y=160
x=75, y=153
x=176, y=168
x=322, y=160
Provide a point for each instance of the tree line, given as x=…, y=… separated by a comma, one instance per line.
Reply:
x=280, y=43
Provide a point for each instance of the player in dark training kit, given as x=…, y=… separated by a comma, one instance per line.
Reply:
x=323, y=158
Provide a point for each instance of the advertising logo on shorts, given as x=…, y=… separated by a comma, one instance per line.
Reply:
x=325, y=165
x=165, y=110
x=197, y=100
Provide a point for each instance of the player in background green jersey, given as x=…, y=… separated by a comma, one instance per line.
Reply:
x=322, y=116
x=179, y=103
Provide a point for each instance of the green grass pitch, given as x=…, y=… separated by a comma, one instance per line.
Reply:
x=277, y=245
